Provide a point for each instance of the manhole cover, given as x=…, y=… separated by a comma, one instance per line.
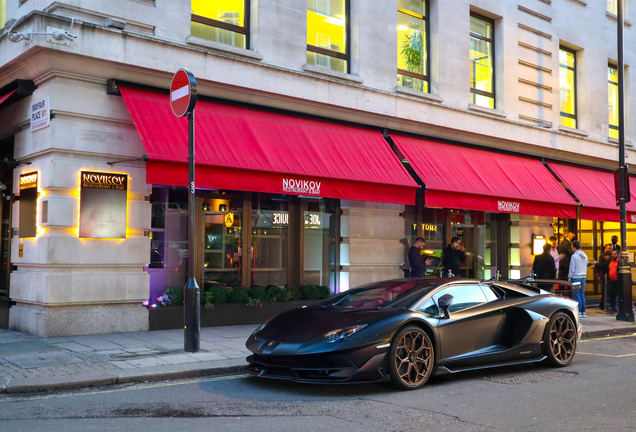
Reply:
x=42, y=360
x=525, y=377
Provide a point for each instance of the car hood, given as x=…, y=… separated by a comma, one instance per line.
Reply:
x=305, y=324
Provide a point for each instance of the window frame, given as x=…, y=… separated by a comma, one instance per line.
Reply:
x=610, y=82
x=491, y=40
x=427, y=77
x=245, y=30
x=576, y=97
x=438, y=293
x=346, y=56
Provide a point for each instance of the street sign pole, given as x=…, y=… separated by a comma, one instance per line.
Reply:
x=625, y=311
x=183, y=96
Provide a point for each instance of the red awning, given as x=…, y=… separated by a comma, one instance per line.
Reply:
x=595, y=190
x=6, y=96
x=252, y=150
x=471, y=179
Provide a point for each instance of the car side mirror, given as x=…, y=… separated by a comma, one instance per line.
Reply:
x=444, y=302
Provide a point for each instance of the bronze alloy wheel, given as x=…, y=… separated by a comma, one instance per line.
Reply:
x=411, y=358
x=561, y=339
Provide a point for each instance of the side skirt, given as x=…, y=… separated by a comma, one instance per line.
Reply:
x=443, y=370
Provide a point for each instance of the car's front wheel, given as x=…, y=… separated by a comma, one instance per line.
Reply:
x=411, y=358
x=560, y=340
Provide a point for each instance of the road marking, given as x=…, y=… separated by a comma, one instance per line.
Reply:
x=137, y=387
x=608, y=338
x=607, y=355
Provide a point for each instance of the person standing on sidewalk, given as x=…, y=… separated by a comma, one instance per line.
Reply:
x=544, y=266
x=565, y=254
x=416, y=261
x=615, y=245
x=454, y=256
x=578, y=273
x=611, y=267
x=601, y=273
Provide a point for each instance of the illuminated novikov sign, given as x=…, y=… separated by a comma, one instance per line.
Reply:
x=103, y=208
x=633, y=218
x=28, y=205
x=508, y=206
x=301, y=187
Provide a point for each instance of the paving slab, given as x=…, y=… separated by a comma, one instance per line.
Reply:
x=55, y=358
x=73, y=346
x=26, y=346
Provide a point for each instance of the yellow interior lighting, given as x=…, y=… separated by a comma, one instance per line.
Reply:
x=228, y=11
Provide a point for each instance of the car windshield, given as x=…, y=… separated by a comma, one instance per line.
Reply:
x=397, y=294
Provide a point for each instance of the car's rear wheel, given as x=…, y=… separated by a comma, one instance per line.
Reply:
x=559, y=342
x=411, y=358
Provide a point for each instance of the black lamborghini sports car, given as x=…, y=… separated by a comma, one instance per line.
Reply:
x=406, y=330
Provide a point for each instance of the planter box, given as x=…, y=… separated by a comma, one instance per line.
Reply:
x=224, y=314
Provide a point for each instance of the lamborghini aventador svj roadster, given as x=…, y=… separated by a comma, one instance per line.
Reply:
x=406, y=330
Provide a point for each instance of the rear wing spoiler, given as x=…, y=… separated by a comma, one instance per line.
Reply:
x=559, y=285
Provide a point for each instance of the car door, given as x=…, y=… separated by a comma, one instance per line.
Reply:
x=474, y=326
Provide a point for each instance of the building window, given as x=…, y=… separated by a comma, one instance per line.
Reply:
x=328, y=34
x=482, y=71
x=3, y=12
x=567, y=80
x=412, y=45
x=224, y=21
x=612, y=87
x=612, y=6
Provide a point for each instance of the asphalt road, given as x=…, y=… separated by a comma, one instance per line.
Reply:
x=596, y=392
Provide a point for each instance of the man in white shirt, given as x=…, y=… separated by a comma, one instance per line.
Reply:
x=578, y=273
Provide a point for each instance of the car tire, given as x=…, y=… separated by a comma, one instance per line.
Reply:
x=560, y=340
x=411, y=358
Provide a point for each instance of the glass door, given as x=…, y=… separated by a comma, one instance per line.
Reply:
x=222, y=247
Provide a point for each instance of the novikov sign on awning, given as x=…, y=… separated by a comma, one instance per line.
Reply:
x=103, y=205
x=301, y=187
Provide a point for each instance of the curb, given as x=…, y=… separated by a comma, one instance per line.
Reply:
x=97, y=379
x=619, y=331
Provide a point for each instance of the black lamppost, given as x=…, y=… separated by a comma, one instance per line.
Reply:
x=625, y=312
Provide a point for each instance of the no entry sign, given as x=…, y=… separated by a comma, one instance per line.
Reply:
x=183, y=93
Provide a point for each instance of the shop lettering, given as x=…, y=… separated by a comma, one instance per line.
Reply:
x=508, y=206
x=303, y=187
x=280, y=218
x=38, y=105
x=28, y=181
x=104, y=181
x=633, y=218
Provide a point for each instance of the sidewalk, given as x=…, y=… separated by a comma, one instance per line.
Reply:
x=29, y=363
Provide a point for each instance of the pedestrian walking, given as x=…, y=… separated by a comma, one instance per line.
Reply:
x=454, y=256
x=578, y=273
x=416, y=261
x=544, y=266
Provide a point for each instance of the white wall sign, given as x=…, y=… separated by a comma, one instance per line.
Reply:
x=40, y=114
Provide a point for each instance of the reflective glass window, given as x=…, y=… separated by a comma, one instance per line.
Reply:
x=327, y=34
x=567, y=87
x=224, y=21
x=3, y=12
x=412, y=45
x=612, y=84
x=612, y=6
x=465, y=296
x=482, y=70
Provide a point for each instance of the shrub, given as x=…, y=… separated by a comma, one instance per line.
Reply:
x=176, y=295
x=294, y=293
x=238, y=294
x=220, y=294
x=325, y=291
x=259, y=293
x=310, y=292
x=274, y=293
x=253, y=302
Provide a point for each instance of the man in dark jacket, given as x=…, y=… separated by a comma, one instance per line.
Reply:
x=565, y=254
x=454, y=256
x=544, y=266
x=416, y=261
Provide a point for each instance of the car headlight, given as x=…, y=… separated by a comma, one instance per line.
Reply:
x=336, y=335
